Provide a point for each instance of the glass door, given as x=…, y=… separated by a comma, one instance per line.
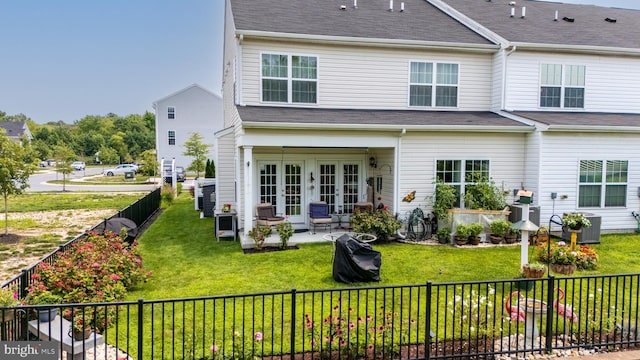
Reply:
x=280, y=183
x=340, y=185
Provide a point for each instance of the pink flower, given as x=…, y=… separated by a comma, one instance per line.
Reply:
x=95, y=265
x=561, y=243
x=214, y=348
x=258, y=336
x=115, y=277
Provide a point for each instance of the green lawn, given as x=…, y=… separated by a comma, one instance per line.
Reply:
x=69, y=201
x=187, y=261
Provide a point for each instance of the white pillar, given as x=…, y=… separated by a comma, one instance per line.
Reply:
x=248, y=188
x=524, y=246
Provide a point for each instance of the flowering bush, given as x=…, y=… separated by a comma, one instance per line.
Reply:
x=575, y=220
x=345, y=335
x=379, y=223
x=471, y=313
x=9, y=297
x=241, y=350
x=584, y=257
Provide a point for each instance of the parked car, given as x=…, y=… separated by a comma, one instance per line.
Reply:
x=181, y=175
x=78, y=165
x=120, y=169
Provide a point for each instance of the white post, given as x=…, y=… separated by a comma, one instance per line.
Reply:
x=524, y=246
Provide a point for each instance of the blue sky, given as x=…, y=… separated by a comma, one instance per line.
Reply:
x=63, y=60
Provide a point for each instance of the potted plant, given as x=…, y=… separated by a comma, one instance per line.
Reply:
x=498, y=230
x=575, y=221
x=44, y=297
x=541, y=236
x=259, y=233
x=8, y=298
x=285, y=231
x=534, y=270
x=521, y=282
x=81, y=324
x=444, y=198
x=484, y=194
x=462, y=234
x=475, y=229
x=511, y=235
x=443, y=235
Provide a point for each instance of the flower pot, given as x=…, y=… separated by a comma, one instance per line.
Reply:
x=443, y=239
x=565, y=269
x=533, y=273
x=460, y=240
x=495, y=239
x=80, y=335
x=510, y=239
x=524, y=285
x=46, y=315
x=474, y=240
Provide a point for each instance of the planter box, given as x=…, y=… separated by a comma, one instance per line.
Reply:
x=467, y=216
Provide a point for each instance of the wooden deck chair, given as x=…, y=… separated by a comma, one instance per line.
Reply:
x=266, y=215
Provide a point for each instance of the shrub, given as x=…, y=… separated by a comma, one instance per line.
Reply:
x=379, y=223
x=500, y=227
x=475, y=229
x=167, y=195
x=484, y=194
x=258, y=234
x=285, y=230
x=444, y=198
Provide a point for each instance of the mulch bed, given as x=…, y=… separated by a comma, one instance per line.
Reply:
x=8, y=239
x=267, y=249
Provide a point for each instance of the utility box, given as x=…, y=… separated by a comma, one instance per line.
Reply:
x=590, y=235
x=129, y=175
x=208, y=200
x=226, y=225
x=516, y=214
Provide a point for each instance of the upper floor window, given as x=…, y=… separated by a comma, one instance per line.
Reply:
x=562, y=86
x=424, y=76
x=461, y=174
x=171, y=112
x=171, y=135
x=289, y=78
x=603, y=182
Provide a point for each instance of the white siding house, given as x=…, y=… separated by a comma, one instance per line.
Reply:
x=321, y=98
x=190, y=110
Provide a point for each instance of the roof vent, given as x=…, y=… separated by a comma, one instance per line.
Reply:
x=512, y=3
x=610, y=20
x=355, y=4
x=401, y=6
x=390, y=5
x=513, y=12
x=524, y=11
x=343, y=7
x=556, y=17
x=568, y=19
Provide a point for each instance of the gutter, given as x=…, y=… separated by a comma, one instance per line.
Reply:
x=359, y=41
x=373, y=127
x=578, y=49
x=593, y=129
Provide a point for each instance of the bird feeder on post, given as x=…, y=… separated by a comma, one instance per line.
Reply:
x=524, y=225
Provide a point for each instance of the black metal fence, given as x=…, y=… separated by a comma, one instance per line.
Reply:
x=140, y=212
x=482, y=319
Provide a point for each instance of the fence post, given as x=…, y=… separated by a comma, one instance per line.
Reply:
x=550, y=293
x=24, y=282
x=140, y=326
x=427, y=342
x=293, y=322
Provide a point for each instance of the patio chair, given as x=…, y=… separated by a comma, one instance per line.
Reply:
x=319, y=215
x=266, y=215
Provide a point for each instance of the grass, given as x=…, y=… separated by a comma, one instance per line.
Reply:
x=63, y=201
x=106, y=180
x=202, y=266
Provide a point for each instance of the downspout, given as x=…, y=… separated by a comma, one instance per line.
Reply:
x=506, y=53
x=396, y=172
x=238, y=79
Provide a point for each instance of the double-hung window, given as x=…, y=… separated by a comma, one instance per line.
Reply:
x=171, y=136
x=461, y=173
x=603, y=182
x=171, y=112
x=425, y=76
x=562, y=86
x=289, y=78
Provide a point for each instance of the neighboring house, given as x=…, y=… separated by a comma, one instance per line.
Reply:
x=16, y=129
x=319, y=97
x=193, y=109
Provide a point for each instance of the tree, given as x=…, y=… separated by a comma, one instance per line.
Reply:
x=149, y=163
x=17, y=163
x=198, y=150
x=64, y=157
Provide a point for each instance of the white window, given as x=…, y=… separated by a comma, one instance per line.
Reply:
x=171, y=135
x=171, y=112
x=422, y=79
x=603, y=182
x=453, y=173
x=289, y=78
x=562, y=86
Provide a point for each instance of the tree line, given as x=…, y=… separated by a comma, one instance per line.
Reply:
x=111, y=139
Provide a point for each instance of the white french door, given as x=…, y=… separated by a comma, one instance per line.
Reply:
x=340, y=184
x=281, y=184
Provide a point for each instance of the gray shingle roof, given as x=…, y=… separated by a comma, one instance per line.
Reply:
x=420, y=21
x=13, y=128
x=582, y=118
x=307, y=116
x=538, y=26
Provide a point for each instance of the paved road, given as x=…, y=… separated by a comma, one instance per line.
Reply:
x=38, y=182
